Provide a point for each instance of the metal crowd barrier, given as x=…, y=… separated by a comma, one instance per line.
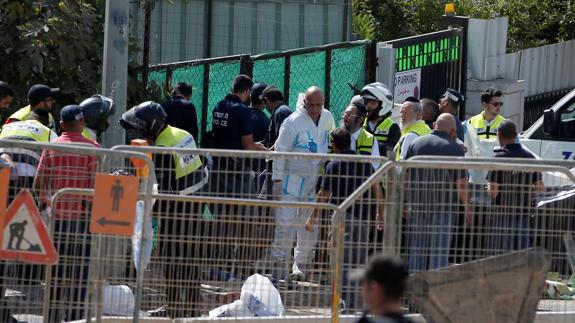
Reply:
x=196, y=250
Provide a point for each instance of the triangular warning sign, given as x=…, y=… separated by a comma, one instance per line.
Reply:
x=24, y=236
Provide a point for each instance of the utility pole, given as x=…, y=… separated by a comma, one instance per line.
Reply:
x=115, y=70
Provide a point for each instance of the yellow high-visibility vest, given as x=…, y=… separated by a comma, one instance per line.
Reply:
x=419, y=128
x=485, y=132
x=173, y=137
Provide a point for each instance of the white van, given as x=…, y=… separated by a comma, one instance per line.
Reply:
x=553, y=135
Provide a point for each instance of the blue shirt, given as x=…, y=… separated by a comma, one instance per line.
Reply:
x=261, y=124
x=515, y=187
x=342, y=178
x=231, y=119
x=278, y=116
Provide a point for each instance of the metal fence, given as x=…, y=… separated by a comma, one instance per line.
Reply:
x=440, y=56
x=335, y=68
x=536, y=104
x=197, y=250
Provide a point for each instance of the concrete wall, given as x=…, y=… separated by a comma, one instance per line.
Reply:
x=178, y=30
x=525, y=73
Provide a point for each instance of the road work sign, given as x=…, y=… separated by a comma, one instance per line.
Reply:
x=114, y=205
x=24, y=235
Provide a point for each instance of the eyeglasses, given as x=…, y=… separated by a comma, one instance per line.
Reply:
x=348, y=113
x=497, y=104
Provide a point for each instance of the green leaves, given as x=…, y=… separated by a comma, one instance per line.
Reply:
x=531, y=22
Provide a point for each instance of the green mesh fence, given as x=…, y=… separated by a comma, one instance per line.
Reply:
x=270, y=71
x=221, y=77
x=159, y=78
x=305, y=71
x=347, y=69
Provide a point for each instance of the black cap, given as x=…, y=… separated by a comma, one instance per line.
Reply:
x=358, y=102
x=40, y=92
x=71, y=113
x=453, y=95
x=256, y=93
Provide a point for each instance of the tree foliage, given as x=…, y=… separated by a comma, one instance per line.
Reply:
x=58, y=43
x=531, y=22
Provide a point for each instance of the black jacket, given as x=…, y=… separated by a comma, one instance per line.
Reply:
x=181, y=114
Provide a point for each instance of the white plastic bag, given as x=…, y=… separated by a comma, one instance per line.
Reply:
x=235, y=309
x=261, y=297
x=137, y=238
x=118, y=300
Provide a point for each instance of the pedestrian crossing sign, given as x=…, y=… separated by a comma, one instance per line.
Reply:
x=24, y=235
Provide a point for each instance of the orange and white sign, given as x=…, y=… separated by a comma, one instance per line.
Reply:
x=4, y=186
x=114, y=204
x=24, y=235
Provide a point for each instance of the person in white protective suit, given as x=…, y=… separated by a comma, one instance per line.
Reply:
x=305, y=131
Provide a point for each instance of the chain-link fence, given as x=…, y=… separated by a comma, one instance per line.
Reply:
x=199, y=239
x=337, y=69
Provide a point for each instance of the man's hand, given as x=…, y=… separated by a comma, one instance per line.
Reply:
x=310, y=224
x=260, y=146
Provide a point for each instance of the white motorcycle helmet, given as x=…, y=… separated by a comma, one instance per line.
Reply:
x=378, y=92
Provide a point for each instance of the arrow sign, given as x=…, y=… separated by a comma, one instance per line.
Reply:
x=114, y=204
x=103, y=222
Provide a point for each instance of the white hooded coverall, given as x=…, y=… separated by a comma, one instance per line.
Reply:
x=298, y=133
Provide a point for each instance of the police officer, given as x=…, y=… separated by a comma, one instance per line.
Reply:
x=379, y=103
x=176, y=174
x=40, y=97
x=97, y=109
x=487, y=122
x=449, y=103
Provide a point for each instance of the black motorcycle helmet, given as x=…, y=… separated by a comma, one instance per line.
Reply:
x=97, y=109
x=147, y=118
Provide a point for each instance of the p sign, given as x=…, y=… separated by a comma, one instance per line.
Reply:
x=407, y=84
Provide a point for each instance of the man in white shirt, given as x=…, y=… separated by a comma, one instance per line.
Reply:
x=304, y=131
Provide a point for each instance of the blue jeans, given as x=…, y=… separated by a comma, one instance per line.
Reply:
x=429, y=240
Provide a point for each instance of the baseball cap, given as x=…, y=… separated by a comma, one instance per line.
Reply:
x=257, y=90
x=71, y=113
x=381, y=269
x=40, y=92
x=453, y=95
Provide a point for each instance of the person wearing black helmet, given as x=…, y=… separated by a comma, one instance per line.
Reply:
x=97, y=109
x=181, y=174
x=379, y=104
x=41, y=97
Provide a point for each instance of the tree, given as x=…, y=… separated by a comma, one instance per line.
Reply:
x=58, y=43
x=531, y=22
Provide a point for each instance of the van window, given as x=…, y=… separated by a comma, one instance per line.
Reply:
x=566, y=131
